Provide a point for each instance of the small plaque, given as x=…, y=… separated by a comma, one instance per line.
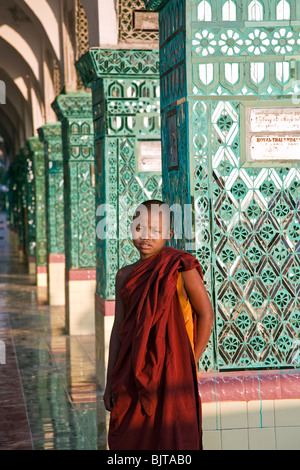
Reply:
x=283, y=147
x=273, y=135
x=145, y=21
x=275, y=120
x=149, y=155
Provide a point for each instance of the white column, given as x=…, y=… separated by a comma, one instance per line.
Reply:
x=102, y=16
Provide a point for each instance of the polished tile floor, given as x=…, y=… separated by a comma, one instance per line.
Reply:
x=48, y=396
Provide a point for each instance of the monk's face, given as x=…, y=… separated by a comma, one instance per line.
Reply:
x=150, y=230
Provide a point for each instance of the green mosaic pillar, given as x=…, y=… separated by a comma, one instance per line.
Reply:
x=29, y=208
x=230, y=74
x=125, y=89
x=13, y=234
x=10, y=182
x=51, y=135
x=74, y=110
x=20, y=205
x=36, y=149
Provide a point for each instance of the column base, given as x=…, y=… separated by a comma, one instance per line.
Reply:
x=81, y=286
x=56, y=279
x=41, y=282
x=31, y=266
x=21, y=254
x=104, y=318
x=12, y=237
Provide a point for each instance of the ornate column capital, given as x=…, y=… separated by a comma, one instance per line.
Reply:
x=122, y=63
x=34, y=145
x=77, y=104
x=49, y=131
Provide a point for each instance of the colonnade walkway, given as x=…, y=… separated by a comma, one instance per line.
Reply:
x=48, y=396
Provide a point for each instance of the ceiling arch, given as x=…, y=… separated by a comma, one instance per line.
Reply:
x=15, y=67
x=8, y=133
x=15, y=115
x=38, y=47
x=40, y=15
x=48, y=15
x=30, y=43
x=19, y=43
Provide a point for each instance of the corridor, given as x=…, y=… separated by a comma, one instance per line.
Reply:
x=48, y=397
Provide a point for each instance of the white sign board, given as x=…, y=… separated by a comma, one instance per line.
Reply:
x=275, y=120
x=275, y=148
x=273, y=134
x=149, y=155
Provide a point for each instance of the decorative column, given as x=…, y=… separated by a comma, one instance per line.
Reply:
x=14, y=204
x=50, y=134
x=10, y=206
x=36, y=149
x=29, y=210
x=20, y=205
x=125, y=89
x=74, y=110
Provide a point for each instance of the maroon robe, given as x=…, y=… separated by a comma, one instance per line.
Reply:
x=154, y=380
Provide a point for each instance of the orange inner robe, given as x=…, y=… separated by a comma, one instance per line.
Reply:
x=186, y=310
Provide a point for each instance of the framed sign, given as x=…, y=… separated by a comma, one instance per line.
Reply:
x=271, y=135
x=145, y=20
x=149, y=155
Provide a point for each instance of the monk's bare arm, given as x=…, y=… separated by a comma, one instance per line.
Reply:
x=115, y=344
x=201, y=303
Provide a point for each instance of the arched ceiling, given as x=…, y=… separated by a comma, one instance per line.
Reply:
x=14, y=115
x=29, y=38
x=46, y=16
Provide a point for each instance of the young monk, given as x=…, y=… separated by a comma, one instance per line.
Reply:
x=163, y=321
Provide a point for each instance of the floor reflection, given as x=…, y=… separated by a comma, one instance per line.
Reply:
x=64, y=409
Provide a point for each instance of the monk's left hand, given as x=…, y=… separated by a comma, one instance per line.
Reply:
x=108, y=399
